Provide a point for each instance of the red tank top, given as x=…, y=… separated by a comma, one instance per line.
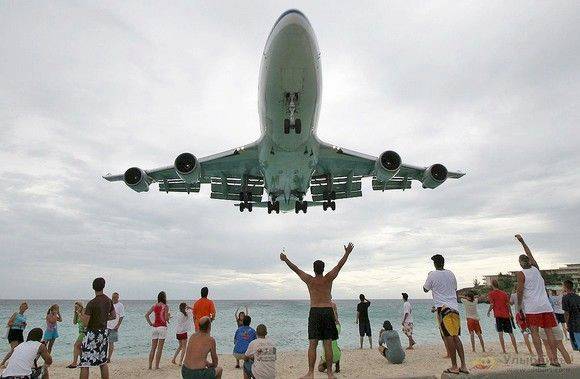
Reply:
x=159, y=310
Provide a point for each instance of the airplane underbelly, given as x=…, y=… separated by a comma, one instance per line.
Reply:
x=291, y=89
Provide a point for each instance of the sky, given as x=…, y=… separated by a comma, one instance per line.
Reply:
x=87, y=88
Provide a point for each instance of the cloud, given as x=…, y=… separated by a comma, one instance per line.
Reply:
x=90, y=89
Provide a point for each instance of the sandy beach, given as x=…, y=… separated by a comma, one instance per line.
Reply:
x=424, y=360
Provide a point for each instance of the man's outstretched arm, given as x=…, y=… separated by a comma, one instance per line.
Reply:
x=332, y=274
x=527, y=251
x=304, y=276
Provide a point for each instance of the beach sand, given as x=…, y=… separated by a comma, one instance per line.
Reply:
x=424, y=360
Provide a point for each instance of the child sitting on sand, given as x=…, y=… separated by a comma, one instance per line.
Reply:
x=393, y=350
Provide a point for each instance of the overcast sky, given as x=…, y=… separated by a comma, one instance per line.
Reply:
x=491, y=88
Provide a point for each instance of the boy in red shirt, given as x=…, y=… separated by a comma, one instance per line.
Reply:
x=499, y=301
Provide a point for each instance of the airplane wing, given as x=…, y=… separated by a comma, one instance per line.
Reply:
x=230, y=174
x=339, y=173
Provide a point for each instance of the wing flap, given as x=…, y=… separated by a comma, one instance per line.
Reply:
x=178, y=186
x=393, y=184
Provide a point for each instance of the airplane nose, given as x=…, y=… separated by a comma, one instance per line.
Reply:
x=293, y=19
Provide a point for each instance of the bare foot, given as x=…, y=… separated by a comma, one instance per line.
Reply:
x=308, y=375
x=410, y=348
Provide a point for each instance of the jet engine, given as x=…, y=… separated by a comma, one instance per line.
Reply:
x=136, y=179
x=387, y=165
x=434, y=176
x=188, y=168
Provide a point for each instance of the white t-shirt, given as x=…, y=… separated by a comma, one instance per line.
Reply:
x=535, y=296
x=407, y=309
x=22, y=359
x=470, y=308
x=264, y=352
x=184, y=323
x=557, y=303
x=443, y=286
x=120, y=312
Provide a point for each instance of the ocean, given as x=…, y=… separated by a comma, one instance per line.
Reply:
x=286, y=321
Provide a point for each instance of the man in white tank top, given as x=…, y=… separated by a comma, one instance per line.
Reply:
x=21, y=360
x=538, y=311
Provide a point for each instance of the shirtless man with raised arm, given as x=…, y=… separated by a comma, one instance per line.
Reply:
x=321, y=320
x=195, y=364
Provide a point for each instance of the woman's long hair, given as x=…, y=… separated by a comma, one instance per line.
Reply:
x=53, y=306
x=162, y=298
x=182, y=309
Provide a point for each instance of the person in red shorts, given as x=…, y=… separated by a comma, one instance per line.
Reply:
x=499, y=301
x=538, y=310
x=473, y=327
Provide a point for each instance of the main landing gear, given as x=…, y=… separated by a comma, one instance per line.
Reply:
x=273, y=207
x=329, y=201
x=292, y=122
x=301, y=206
x=245, y=198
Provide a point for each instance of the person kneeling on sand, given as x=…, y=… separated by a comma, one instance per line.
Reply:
x=260, y=358
x=22, y=360
x=390, y=344
x=201, y=343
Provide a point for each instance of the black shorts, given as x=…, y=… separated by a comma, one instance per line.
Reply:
x=321, y=324
x=364, y=328
x=15, y=335
x=503, y=325
x=560, y=318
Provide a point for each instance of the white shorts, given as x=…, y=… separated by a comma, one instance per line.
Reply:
x=556, y=332
x=159, y=333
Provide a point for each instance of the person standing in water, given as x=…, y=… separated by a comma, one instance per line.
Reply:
x=239, y=316
x=321, y=319
x=16, y=325
x=362, y=319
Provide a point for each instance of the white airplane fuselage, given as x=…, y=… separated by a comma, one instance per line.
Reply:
x=289, y=92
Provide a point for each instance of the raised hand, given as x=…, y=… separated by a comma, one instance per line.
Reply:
x=283, y=257
x=348, y=248
x=519, y=237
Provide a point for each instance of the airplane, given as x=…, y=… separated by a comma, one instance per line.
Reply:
x=288, y=160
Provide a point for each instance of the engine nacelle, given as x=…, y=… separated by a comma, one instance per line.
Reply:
x=434, y=176
x=136, y=179
x=387, y=165
x=188, y=168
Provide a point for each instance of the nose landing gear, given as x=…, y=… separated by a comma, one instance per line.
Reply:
x=292, y=122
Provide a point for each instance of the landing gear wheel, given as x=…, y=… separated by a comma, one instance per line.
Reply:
x=324, y=206
x=277, y=207
x=286, y=126
x=298, y=126
x=249, y=206
x=333, y=205
x=242, y=207
x=273, y=207
x=304, y=206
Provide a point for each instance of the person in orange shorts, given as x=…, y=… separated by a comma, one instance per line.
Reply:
x=470, y=304
x=203, y=307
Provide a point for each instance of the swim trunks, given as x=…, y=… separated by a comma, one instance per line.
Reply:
x=200, y=373
x=450, y=322
x=321, y=324
x=94, y=348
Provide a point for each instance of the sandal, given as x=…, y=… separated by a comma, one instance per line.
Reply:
x=71, y=366
x=538, y=364
x=448, y=371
